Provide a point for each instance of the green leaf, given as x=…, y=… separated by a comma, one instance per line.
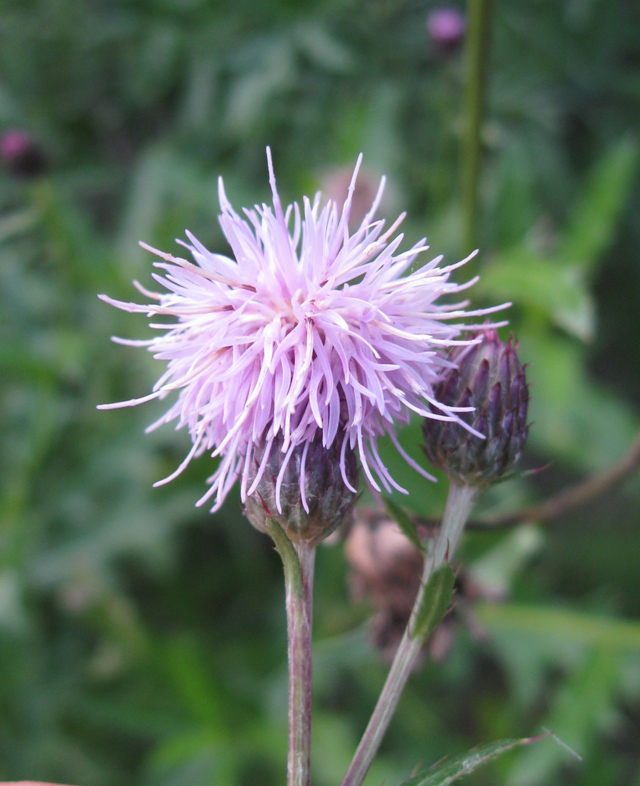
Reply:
x=557, y=284
x=450, y=771
x=581, y=423
x=496, y=571
x=435, y=601
x=187, y=668
x=557, y=624
x=403, y=521
x=592, y=225
x=582, y=706
x=558, y=290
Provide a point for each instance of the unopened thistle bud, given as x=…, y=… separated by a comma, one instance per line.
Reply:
x=446, y=28
x=308, y=497
x=488, y=377
x=22, y=155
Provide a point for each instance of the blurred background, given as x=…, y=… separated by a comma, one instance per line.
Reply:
x=142, y=640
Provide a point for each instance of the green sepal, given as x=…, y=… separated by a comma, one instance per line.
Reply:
x=403, y=521
x=449, y=771
x=435, y=601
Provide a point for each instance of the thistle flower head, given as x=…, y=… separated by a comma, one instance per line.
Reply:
x=308, y=332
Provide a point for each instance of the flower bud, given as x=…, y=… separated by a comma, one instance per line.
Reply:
x=22, y=155
x=446, y=28
x=487, y=376
x=309, y=497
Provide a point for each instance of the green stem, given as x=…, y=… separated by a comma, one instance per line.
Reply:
x=298, y=562
x=476, y=66
x=459, y=504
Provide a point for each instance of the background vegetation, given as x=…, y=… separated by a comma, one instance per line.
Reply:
x=141, y=640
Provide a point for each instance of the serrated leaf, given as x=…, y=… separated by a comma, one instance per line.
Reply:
x=403, y=521
x=435, y=600
x=585, y=704
x=450, y=771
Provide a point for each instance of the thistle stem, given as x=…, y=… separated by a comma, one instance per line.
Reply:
x=476, y=66
x=459, y=504
x=299, y=613
x=298, y=561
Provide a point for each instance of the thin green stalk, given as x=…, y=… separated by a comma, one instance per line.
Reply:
x=459, y=504
x=298, y=562
x=476, y=61
x=299, y=618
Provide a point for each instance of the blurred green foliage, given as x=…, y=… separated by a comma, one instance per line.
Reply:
x=141, y=640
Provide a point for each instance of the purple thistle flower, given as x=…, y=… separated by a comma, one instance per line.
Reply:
x=308, y=331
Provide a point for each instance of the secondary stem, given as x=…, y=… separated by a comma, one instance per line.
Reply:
x=459, y=504
x=476, y=64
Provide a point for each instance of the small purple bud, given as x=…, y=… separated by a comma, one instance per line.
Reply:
x=22, y=155
x=309, y=498
x=489, y=378
x=446, y=28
